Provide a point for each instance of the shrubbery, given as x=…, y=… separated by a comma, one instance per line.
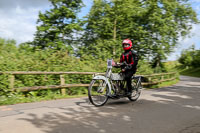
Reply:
x=190, y=57
x=26, y=58
x=190, y=62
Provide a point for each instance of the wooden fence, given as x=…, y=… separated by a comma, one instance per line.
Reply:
x=151, y=80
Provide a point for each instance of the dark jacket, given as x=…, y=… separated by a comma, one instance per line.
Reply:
x=131, y=58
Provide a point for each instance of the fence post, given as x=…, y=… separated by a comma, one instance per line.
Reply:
x=162, y=78
x=12, y=82
x=62, y=82
x=149, y=79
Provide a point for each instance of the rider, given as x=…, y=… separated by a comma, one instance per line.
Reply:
x=130, y=57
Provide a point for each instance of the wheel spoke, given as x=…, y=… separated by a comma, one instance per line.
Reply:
x=97, y=92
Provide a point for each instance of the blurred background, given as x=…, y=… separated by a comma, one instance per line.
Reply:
x=79, y=35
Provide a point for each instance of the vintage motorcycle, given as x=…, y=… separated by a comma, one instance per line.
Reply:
x=112, y=85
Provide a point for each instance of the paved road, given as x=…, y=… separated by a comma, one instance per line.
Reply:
x=174, y=109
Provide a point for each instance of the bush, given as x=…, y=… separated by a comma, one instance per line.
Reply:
x=26, y=58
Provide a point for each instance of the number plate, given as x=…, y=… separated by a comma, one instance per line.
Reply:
x=109, y=63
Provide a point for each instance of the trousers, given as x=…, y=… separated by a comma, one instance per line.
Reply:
x=128, y=75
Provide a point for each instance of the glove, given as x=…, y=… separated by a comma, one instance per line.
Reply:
x=128, y=67
x=123, y=70
x=113, y=63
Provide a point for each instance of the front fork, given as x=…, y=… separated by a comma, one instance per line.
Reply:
x=105, y=83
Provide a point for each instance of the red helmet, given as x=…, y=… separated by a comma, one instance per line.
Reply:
x=127, y=44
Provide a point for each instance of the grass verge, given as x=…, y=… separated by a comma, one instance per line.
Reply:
x=16, y=99
x=165, y=84
x=194, y=72
x=20, y=98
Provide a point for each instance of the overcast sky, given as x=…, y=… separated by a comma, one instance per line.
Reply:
x=18, y=21
x=18, y=18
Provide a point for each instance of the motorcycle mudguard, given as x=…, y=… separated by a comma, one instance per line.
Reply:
x=105, y=79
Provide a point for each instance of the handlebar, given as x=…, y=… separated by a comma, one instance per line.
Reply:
x=123, y=65
x=120, y=64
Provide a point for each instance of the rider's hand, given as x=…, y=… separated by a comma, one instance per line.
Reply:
x=123, y=70
x=113, y=63
x=118, y=64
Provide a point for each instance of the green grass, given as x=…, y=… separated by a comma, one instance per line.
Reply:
x=15, y=99
x=164, y=84
x=194, y=72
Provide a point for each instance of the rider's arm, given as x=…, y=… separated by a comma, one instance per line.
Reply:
x=118, y=65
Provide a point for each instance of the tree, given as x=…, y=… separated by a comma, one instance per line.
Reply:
x=190, y=57
x=57, y=27
x=187, y=56
x=166, y=22
x=154, y=25
x=196, y=59
x=106, y=25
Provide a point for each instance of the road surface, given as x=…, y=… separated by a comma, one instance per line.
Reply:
x=174, y=109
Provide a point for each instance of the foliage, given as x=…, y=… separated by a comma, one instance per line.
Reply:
x=190, y=62
x=187, y=56
x=194, y=72
x=57, y=26
x=33, y=97
x=155, y=27
x=190, y=57
x=171, y=66
x=25, y=58
x=144, y=68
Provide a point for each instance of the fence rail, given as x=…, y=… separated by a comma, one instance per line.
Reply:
x=152, y=80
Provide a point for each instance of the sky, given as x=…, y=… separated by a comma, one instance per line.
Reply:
x=18, y=21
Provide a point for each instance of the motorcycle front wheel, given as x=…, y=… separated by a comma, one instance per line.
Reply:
x=98, y=92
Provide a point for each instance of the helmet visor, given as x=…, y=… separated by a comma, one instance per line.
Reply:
x=126, y=45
